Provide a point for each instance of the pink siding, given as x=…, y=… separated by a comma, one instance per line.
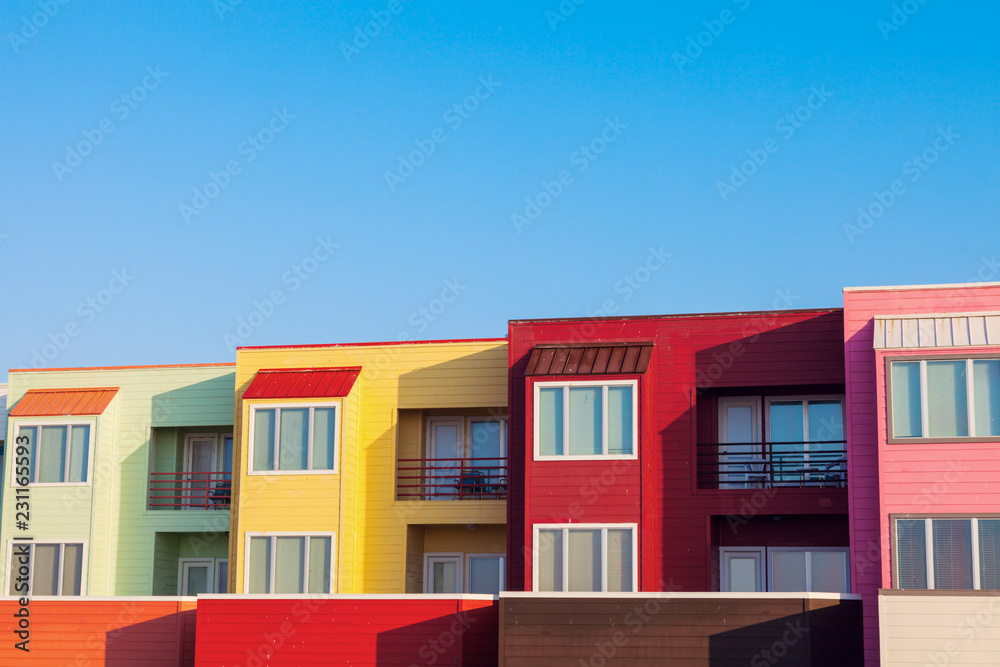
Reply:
x=896, y=478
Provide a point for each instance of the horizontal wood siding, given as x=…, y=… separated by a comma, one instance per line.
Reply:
x=954, y=630
x=659, y=629
x=118, y=633
x=786, y=350
x=332, y=631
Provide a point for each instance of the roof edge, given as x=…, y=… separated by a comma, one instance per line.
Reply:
x=903, y=288
x=223, y=364
x=679, y=316
x=374, y=343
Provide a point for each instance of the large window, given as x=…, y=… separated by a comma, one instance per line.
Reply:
x=784, y=569
x=948, y=553
x=54, y=453
x=586, y=420
x=289, y=563
x=945, y=398
x=45, y=568
x=587, y=558
x=293, y=438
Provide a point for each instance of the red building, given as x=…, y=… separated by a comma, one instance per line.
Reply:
x=690, y=453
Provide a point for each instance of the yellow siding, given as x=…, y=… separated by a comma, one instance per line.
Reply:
x=394, y=377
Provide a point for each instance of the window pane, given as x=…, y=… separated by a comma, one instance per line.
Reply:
x=829, y=572
x=952, y=553
x=294, y=439
x=911, y=561
x=289, y=561
x=739, y=424
x=263, y=440
x=227, y=454
x=786, y=421
x=19, y=552
x=320, y=554
x=79, y=453
x=826, y=421
x=550, y=560
x=906, y=399
x=52, y=466
x=989, y=554
x=445, y=574
x=946, y=399
x=32, y=434
x=550, y=421
x=486, y=440
x=222, y=576
x=260, y=564
x=197, y=580
x=72, y=578
x=986, y=374
x=743, y=574
x=324, y=432
x=620, y=560
x=45, y=570
x=619, y=420
x=484, y=575
x=584, y=560
x=585, y=421
x=788, y=571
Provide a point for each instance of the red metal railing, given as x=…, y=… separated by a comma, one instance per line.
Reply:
x=190, y=490
x=750, y=465
x=452, y=479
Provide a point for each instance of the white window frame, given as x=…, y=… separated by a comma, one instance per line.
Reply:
x=62, y=561
x=725, y=584
x=805, y=400
x=30, y=423
x=604, y=456
x=502, y=564
x=766, y=575
x=181, y=562
x=970, y=398
x=444, y=557
x=278, y=407
x=603, y=527
x=929, y=548
x=222, y=586
x=293, y=533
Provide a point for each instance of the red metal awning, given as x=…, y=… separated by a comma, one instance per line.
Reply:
x=596, y=359
x=64, y=402
x=302, y=382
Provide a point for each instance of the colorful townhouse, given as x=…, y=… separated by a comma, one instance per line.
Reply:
x=370, y=468
x=123, y=480
x=689, y=453
x=923, y=399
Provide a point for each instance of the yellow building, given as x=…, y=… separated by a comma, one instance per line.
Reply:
x=370, y=468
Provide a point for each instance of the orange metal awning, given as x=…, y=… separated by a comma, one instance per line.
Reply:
x=64, y=402
x=302, y=383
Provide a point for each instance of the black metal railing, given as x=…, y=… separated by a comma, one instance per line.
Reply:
x=750, y=465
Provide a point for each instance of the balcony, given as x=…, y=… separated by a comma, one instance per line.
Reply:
x=452, y=479
x=772, y=465
x=190, y=490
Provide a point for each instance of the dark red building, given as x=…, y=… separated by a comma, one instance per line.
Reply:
x=691, y=452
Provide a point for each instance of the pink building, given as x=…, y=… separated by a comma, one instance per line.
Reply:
x=923, y=418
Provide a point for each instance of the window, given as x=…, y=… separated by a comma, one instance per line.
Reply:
x=203, y=575
x=960, y=553
x=287, y=563
x=57, y=453
x=293, y=438
x=590, y=558
x=484, y=573
x=945, y=398
x=788, y=569
x=586, y=420
x=466, y=458
x=45, y=568
x=443, y=573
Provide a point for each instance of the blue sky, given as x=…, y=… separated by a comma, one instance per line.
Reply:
x=171, y=169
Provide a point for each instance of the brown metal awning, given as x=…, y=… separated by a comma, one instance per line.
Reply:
x=595, y=359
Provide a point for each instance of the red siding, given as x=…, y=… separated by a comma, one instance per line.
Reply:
x=347, y=631
x=793, y=349
x=115, y=633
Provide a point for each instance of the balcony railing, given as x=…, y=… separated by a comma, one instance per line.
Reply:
x=770, y=465
x=190, y=490
x=452, y=479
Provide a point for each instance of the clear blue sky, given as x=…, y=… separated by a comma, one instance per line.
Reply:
x=310, y=115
